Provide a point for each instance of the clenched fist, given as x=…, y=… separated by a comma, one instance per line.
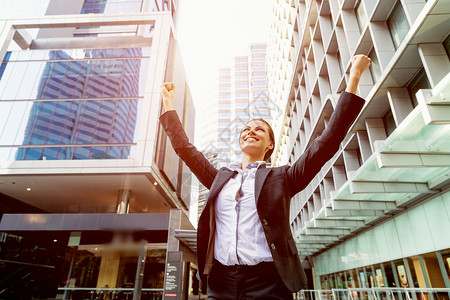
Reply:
x=360, y=63
x=167, y=92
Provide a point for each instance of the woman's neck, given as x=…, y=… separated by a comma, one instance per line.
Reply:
x=248, y=159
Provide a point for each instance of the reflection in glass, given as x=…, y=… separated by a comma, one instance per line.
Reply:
x=105, y=127
x=398, y=24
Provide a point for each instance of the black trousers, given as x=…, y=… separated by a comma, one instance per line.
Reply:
x=246, y=282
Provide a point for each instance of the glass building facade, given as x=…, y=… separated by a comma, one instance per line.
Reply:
x=88, y=182
x=77, y=108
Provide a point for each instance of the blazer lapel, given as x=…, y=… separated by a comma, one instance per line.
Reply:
x=222, y=177
x=261, y=175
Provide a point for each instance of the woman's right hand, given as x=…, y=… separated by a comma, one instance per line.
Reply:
x=167, y=92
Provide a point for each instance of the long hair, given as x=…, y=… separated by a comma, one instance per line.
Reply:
x=271, y=136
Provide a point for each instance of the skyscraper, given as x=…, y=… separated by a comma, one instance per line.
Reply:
x=374, y=215
x=90, y=191
x=242, y=96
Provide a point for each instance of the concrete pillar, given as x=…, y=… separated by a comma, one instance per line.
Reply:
x=6, y=35
x=109, y=269
x=351, y=161
x=334, y=71
x=339, y=177
x=435, y=61
x=412, y=9
x=351, y=28
x=178, y=220
x=364, y=145
x=375, y=131
x=400, y=103
x=123, y=204
x=382, y=42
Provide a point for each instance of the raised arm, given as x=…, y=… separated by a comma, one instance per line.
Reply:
x=194, y=159
x=327, y=144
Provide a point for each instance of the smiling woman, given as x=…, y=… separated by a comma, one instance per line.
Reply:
x=245, y=247
x=257, y=130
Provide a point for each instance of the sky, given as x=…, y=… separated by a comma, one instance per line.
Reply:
x=210, y=34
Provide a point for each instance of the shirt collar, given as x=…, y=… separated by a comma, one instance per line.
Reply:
x=257, y=165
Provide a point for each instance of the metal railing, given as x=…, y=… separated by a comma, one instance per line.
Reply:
x=79, y=293
x=376, y=294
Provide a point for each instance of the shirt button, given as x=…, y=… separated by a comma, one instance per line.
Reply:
x=272, y=246
x=264, y=222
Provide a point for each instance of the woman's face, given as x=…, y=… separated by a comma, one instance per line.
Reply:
x=255, y=139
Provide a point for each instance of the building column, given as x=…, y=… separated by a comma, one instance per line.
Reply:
x=109, y=269
x=400, y=103
x=383, y=43
x=435, y=62
x=412, y=9
x=375, y=131
x=123, y=201
x=6, y=35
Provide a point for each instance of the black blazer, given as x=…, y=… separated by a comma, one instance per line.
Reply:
x=274, y=187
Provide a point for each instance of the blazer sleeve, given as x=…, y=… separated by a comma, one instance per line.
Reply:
x=326, y=145
x=194, y=159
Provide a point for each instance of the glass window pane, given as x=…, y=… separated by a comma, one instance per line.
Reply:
x=374, y=66
x=420, y=81
x=361, y=15
x=398, y=24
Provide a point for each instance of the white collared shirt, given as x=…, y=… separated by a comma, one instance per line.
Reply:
x=240, y=238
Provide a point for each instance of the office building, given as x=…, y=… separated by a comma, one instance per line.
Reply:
x=242, y=96
x=93, y=199
x=378, y=213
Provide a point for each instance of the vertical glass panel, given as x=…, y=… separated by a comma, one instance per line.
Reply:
x=389, y=274
x=398, y=24
x=361, y=15
x=416, y=270
x=433, y=270
x=420, y=81
x=446, y=258
x=374, y=66
x=446, y=46
x=389, y=122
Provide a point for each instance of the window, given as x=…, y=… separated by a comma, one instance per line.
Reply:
x=260, y=84
x=258, y=47
x=241, y=60
x=259, y=74
x=3, y=65
x=419, y=82
x=241, y=96
x=242, y=69
x=389, y=123
x=258, y=65
x=241, y=78
x=338, y=56
x=258, y=55
x=361, y=15
x=224, y=115
x=447, y=45
x=226, y=72
x=374, y=66
x=224, y=105
x=241, y=86
x=398, y=25
x=241, y=105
